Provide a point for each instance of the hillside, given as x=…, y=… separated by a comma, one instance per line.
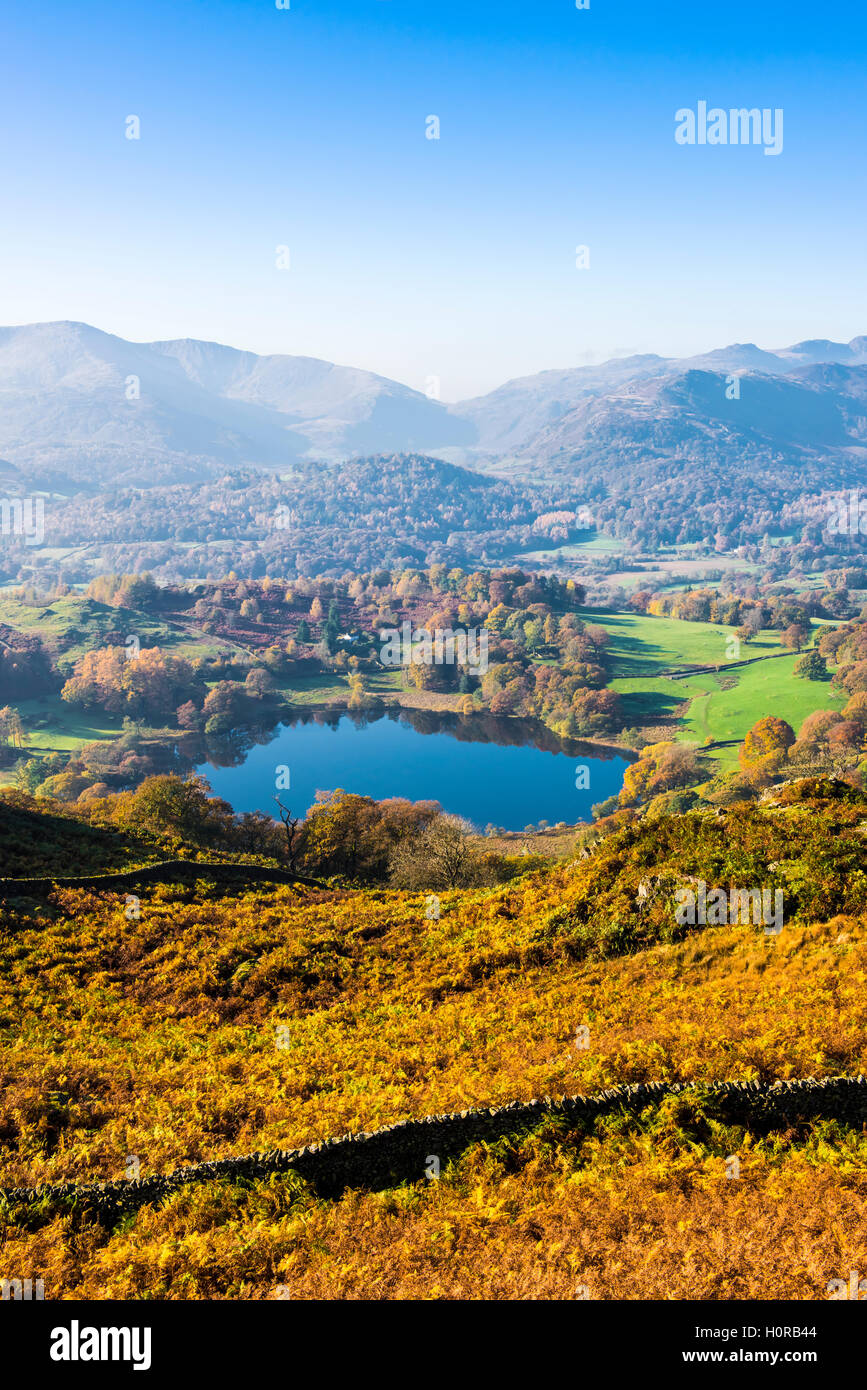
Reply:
x=386, y=509
x=517, y=417
x=213, y=1025
x=191, y=459
x=37, y=838
x=68, y=627
x=814, y=413
x=79, y=406
x=83, y=409
x=637, y=452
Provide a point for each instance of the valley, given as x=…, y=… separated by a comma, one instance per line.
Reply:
x=433, y=682
x=265, y=883
x=258, y=657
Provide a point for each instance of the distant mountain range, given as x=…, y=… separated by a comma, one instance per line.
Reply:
x=82, y=405
x=810, y=396
x=81, y=408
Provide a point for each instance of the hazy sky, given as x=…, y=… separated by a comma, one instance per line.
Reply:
x=418, y=258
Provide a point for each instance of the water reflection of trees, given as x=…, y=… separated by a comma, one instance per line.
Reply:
x=231, y=749
x=227, y=749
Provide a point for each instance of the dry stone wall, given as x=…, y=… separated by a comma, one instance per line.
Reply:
x=169, y=871
x=401, y=1152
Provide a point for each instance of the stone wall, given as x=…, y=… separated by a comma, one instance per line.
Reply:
x=169, y=871
x=401, y=1152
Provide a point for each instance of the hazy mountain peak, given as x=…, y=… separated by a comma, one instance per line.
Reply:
x=85, y=403
x=81, y=403
x=824, y=350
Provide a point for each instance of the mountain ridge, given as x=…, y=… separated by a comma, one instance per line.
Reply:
x=79, y=407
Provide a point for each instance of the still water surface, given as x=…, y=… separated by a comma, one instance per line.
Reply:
x=505, y=772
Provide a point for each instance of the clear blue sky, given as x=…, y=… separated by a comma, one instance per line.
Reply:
x=412, y=257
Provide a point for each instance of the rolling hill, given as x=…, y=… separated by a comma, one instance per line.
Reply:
x=212, y=1026
x=552, y=411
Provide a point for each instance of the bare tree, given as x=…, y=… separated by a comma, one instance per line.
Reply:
x=442, y=856
x=290, y=825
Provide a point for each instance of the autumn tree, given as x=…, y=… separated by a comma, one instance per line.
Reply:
x=150, y=685
x=852, y=678
x=856, y=708
x=662, y=767
x=769, y=738
x=11, y=727
x=226, y=707
x=188, y=716
x=354, y=836
x=154, y=684
x=98, y=681
x=847, y=736
x=179, y=806
x=259, y=684
x=795, y=636
x=812, y=742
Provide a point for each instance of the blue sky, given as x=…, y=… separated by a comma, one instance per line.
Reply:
x=450, y=258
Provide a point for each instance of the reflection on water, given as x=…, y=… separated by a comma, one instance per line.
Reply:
x=493, y=770
x=230, y=750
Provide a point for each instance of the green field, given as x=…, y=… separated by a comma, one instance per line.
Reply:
x=727, y=704
x=65, y=727
x=677, y=574
x=597, y=544
x=723, y=705
x=643, y=645
x=770, y=687
x=649, y=700
x=55, y=727
x=326, y=686
x=318, y=689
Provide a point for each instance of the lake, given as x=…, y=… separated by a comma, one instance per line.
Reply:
x=507, y=772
